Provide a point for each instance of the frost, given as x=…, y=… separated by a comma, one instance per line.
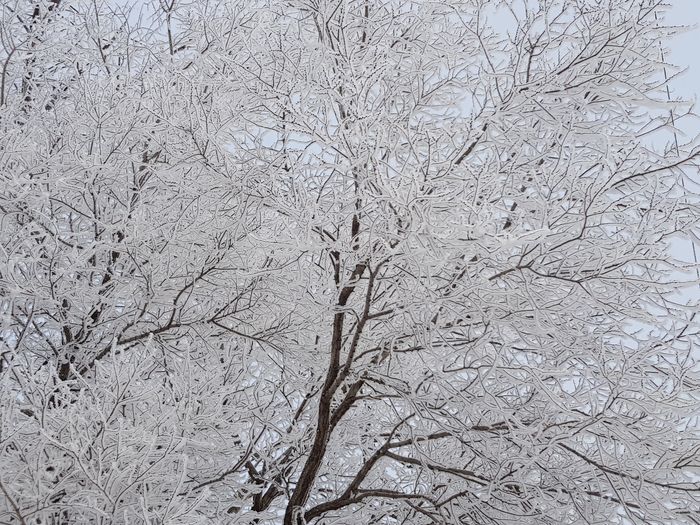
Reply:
x=348, y=262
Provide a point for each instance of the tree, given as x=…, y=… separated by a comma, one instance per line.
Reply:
x=344, y=262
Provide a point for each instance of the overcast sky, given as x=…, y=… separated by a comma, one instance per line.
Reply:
x=685, y=52
x=686, y=47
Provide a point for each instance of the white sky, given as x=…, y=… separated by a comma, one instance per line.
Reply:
x=685, y=53
x=685, y=48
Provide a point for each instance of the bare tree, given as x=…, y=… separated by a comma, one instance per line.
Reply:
x=342, y=261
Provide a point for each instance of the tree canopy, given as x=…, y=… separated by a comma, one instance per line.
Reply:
x=345, y=262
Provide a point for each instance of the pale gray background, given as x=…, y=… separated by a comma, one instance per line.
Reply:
x=685, y=53
x=685, y=48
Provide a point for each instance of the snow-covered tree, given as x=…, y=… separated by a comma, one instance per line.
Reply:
x=344, y=262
